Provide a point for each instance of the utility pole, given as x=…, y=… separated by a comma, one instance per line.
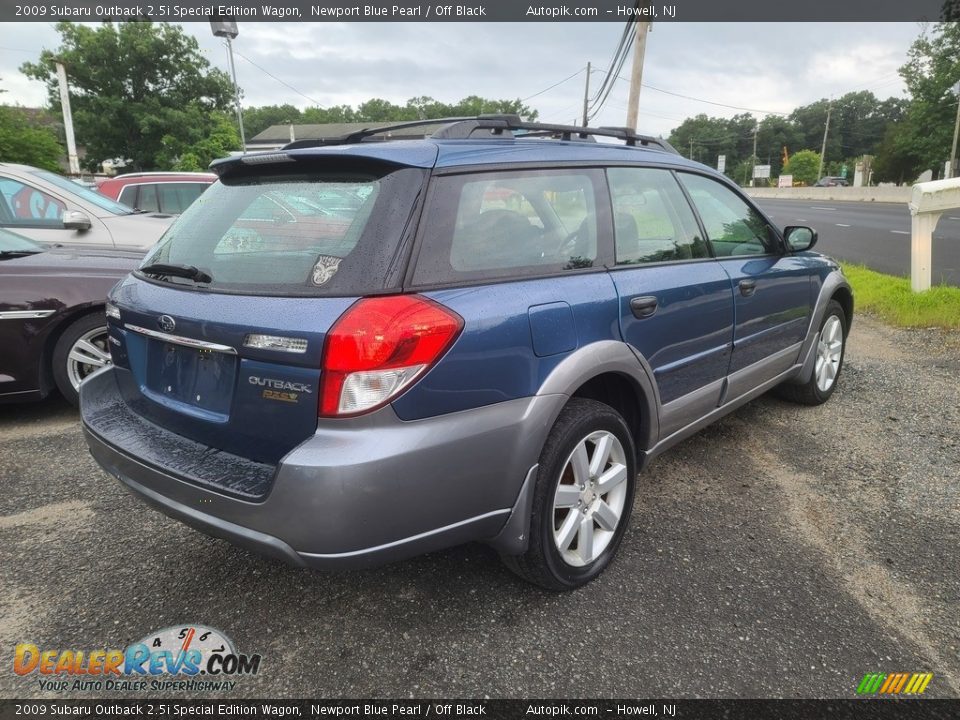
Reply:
x=586, y=95
x=636, y=73
x=691, y=149
x=823, y=147
x=67, y=118
x=756, y=127
x=956, y=132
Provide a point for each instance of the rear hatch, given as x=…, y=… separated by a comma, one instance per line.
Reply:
x=218, y=336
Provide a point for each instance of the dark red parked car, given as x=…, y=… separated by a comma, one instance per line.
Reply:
x=163, y=192
x=52, y=325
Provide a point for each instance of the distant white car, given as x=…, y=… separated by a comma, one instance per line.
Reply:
x=51, y=209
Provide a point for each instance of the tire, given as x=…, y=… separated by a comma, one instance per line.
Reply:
x=593, y=530
x=829, y=361
x=84, y=339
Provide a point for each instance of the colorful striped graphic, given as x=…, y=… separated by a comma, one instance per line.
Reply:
x=894, y=683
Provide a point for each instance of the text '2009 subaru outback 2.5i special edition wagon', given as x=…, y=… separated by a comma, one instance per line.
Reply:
x=354, y=351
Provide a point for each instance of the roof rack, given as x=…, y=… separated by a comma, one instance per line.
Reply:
x=370, y=132
x=501, y=124
x=462, y=128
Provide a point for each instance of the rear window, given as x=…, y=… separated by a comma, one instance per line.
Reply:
x=294, y=233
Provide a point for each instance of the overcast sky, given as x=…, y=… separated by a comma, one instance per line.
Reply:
x=766, y=67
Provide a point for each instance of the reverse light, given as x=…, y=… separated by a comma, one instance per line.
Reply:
x=379, y=347
x=275, y=342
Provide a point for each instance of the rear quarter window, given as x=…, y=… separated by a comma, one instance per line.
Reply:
x=511, y=224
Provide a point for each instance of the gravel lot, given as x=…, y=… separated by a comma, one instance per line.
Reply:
x=783, y=552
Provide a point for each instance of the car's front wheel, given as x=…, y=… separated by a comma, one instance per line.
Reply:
x=831, y=346
x=81, y=350
x=582, y=499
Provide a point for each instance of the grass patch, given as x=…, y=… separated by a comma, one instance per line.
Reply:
x=890, y=298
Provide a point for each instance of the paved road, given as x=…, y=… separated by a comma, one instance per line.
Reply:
x=874, y=234
x=783, y=552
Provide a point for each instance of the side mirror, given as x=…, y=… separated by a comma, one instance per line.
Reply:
x=76, y=220
x=799, y=237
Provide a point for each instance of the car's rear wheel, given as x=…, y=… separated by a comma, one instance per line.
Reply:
x=81, y=350
x=831, y=345
x=582, y=499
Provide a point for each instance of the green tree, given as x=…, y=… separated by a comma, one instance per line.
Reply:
x=803, y=166
x=196, y=156
x=931, y=74
x=775, y=134
x=133, y=84
x=258, y=119
x=896, y=161
x=23, y=140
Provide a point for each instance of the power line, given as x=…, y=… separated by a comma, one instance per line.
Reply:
x=708, y=102
x=627, y=38
x=557, y=84
x=282, y=82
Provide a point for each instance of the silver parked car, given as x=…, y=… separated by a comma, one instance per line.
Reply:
x=51, y=209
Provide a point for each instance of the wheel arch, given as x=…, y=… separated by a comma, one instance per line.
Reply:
x=613, y=373
x=64, y=321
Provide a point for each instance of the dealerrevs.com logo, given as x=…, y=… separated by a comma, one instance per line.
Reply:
x=187, y=657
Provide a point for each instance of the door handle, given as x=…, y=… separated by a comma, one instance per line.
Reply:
x=748, y=287
x=643, y=306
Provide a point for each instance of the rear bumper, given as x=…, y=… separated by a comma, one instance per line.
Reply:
x=360, y=492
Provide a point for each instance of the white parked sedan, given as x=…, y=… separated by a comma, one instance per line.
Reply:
x=51, y=209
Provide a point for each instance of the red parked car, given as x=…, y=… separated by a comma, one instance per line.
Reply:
x=163, y=192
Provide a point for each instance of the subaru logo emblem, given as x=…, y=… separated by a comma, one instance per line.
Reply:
x=167, y=323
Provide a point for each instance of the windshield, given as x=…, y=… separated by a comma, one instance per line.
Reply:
x=78, y=190
x=315, y=233
x=11, y=242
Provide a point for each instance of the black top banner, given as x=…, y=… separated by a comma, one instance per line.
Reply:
x=484, y=11
x=445, y=709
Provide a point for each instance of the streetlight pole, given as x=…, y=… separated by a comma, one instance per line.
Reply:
x=236, y=94
x=227, y=28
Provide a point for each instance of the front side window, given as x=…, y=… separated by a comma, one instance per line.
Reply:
x=733, y=226
x=507, y=224
x=128, y=196
x=651, y=218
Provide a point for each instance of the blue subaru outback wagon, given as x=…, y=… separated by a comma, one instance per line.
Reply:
x=353, y=351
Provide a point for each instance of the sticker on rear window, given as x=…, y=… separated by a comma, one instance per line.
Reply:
x=325, y=268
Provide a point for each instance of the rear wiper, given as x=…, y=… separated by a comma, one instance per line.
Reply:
x=18, y=253
x=189, y=272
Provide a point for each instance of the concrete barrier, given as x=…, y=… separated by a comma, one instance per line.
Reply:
x=835, y=194
x=927, y=203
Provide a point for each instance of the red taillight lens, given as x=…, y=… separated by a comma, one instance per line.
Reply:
x=378, y=347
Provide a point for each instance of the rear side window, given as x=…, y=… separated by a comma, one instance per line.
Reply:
x=147, y=199
x=295, y=233
x=733, y=226
x=508, y=224
x=176, y=197
x=651, y=218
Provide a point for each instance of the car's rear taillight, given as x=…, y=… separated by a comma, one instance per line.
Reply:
x=378, y=347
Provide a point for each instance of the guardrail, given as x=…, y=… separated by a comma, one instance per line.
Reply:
x=928, y=203
x=834, y=194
